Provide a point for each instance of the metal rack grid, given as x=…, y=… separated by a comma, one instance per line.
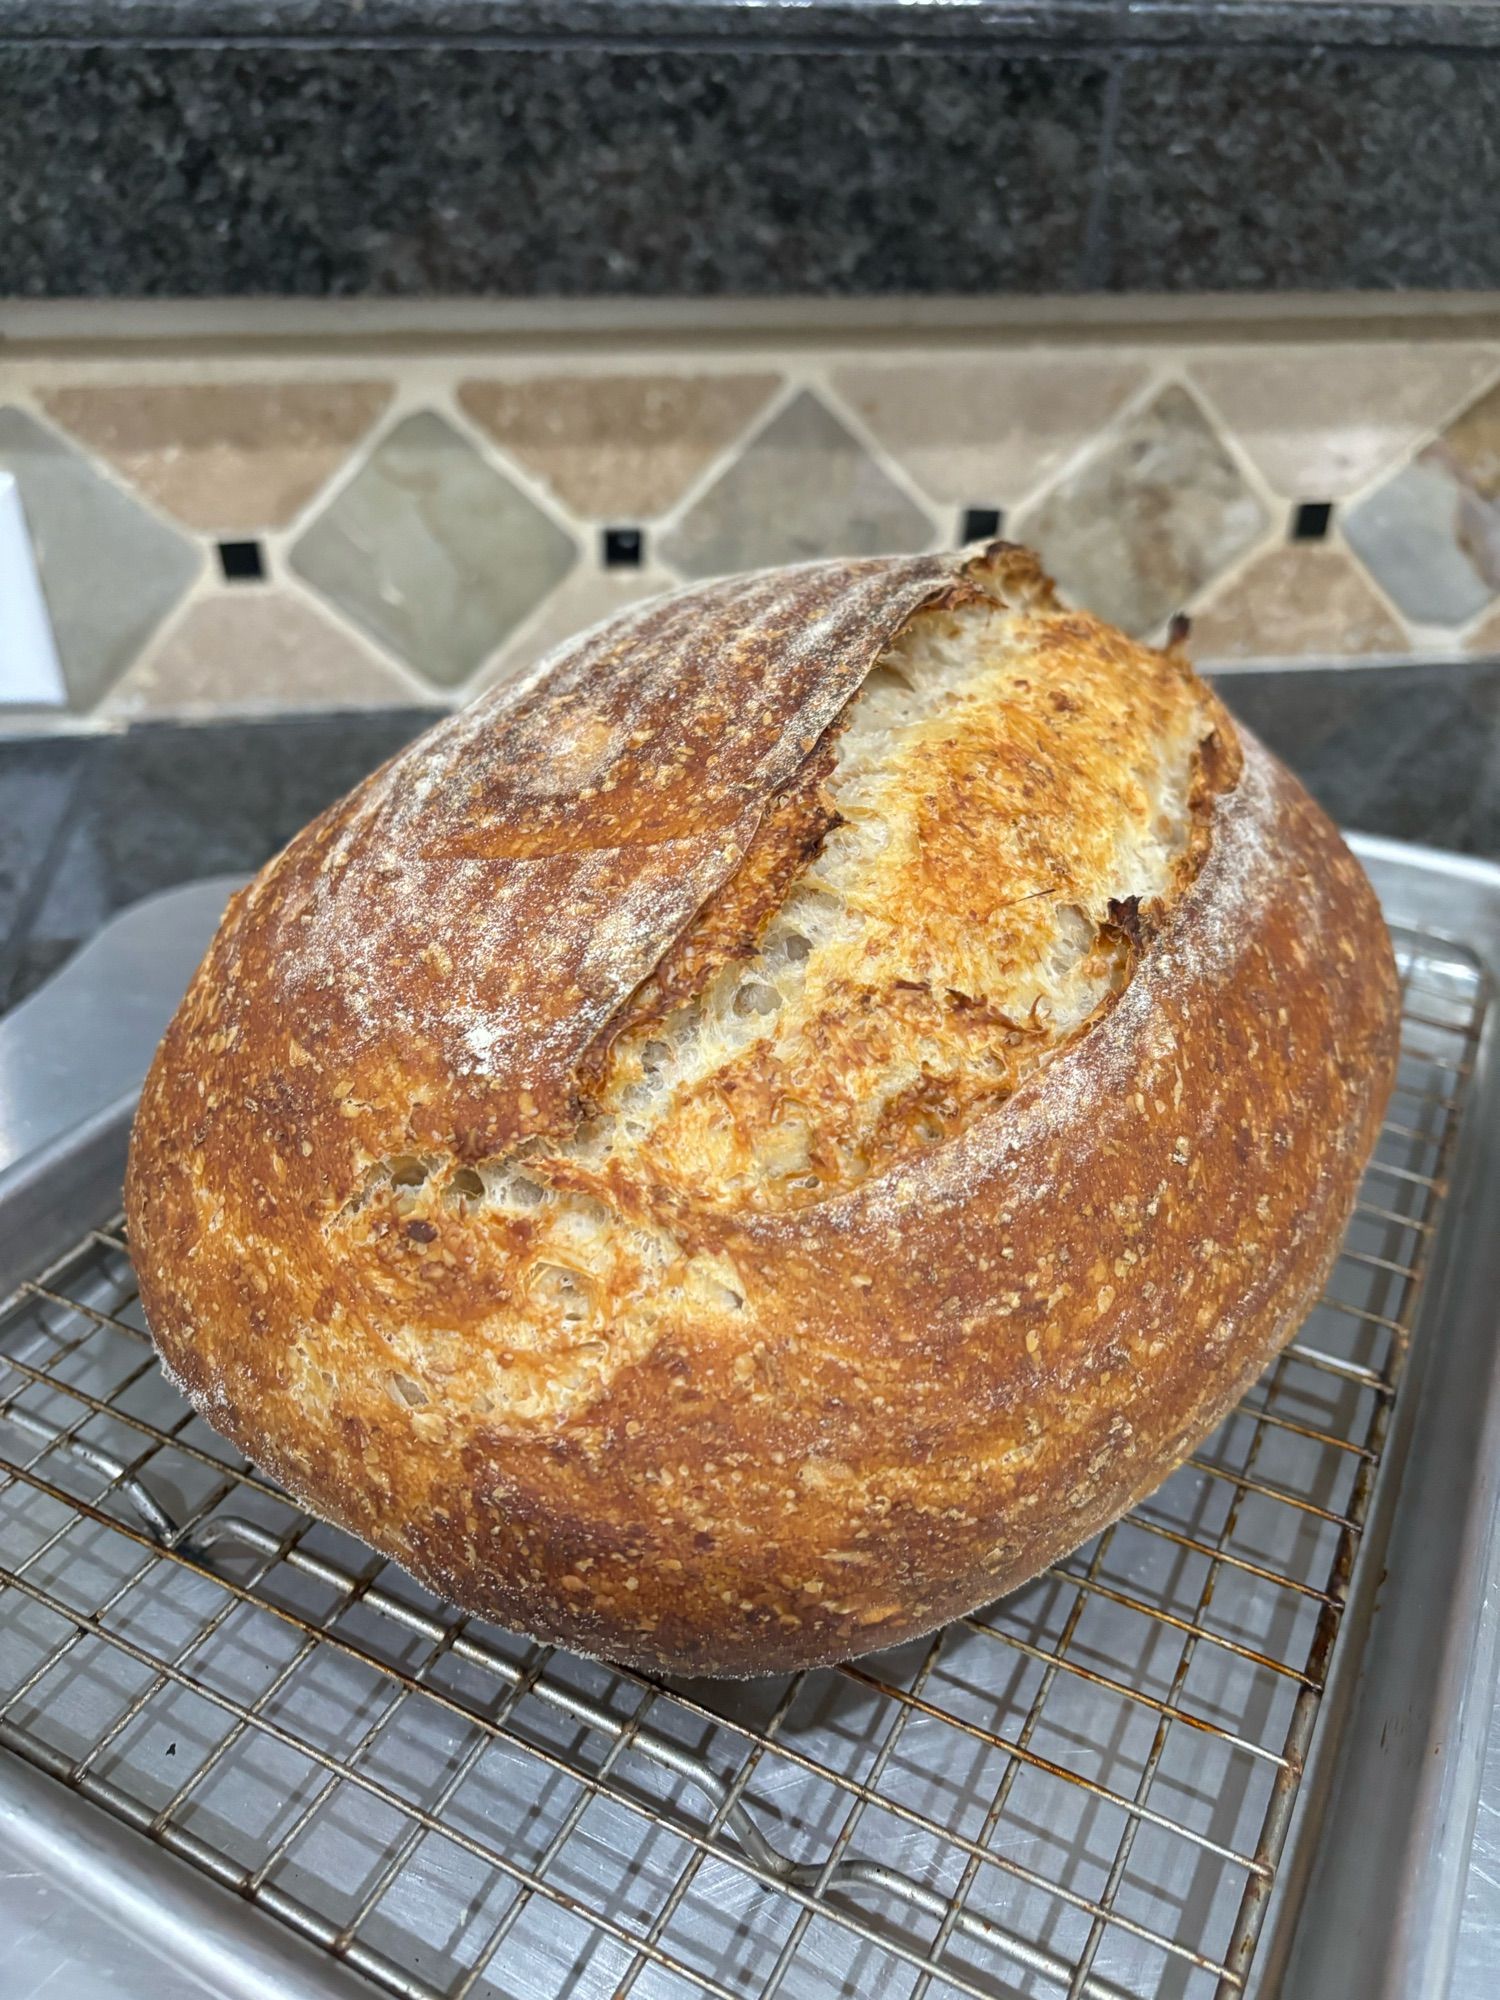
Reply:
x=1084, y=1789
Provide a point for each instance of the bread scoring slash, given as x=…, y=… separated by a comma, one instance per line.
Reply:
x=757, y=1139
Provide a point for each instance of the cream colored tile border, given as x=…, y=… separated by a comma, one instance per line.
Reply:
x=258, y=323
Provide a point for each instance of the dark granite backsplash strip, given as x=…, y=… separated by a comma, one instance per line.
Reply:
x=37, y=802
x=1276, y=173
x=1411, y=752
x=285, y=171
x=619, y=24
x=703, y=148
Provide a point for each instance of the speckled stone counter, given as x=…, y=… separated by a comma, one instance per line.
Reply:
x=89, y=824
x=515, y=148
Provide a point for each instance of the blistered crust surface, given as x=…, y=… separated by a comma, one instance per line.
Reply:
x=715, y=1429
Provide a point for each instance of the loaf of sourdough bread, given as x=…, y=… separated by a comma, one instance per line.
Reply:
x=758, y=1138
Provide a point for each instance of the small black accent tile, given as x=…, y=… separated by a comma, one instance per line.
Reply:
x=1310, y=521
x=981, y=524
x=623, y=548
x=242, y=562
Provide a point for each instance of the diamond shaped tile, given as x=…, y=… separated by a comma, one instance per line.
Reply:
x=110, y=570
x=433, y=551
x=1431, y=535
x=1300, y=601
x=248, y=651
x=1321, y=421
x=1150, y=518
x=803, y=487
x=225, y=457
x=987, y=432
x=617, y=447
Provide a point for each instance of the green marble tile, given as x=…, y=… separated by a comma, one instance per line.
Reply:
x=110, y=570
x=433, y=551
x=1431, y=535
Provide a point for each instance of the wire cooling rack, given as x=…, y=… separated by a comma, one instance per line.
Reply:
x=1084, y=1789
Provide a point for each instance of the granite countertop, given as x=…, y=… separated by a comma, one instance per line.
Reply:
x=693, y=148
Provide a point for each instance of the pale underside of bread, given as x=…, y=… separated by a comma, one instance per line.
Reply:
x=756, y=1141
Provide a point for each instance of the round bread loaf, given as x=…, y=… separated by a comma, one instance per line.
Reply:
x=755, y=1140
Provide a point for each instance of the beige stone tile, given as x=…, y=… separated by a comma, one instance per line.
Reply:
x=583, y=599
x=987, y=432
x=1322, y=421
x=1304, y=601
x=617, y=447
x=256, y=650
x=227, y=458
x=803, y=488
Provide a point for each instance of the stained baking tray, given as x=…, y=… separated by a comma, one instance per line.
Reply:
x=1230, y=1746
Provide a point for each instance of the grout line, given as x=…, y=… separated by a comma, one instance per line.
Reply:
x=1160, y=375
x=1459, y=401
x=1094, y=251
x=1272, y=505
x=493, y=454
x=286, y=532
x=780, y=399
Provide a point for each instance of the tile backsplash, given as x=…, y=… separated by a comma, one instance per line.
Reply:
x=286, y=526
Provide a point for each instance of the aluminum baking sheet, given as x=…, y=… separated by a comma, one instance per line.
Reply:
x=1095, y=1786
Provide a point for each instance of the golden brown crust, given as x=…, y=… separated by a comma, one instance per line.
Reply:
x=925, y=1386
